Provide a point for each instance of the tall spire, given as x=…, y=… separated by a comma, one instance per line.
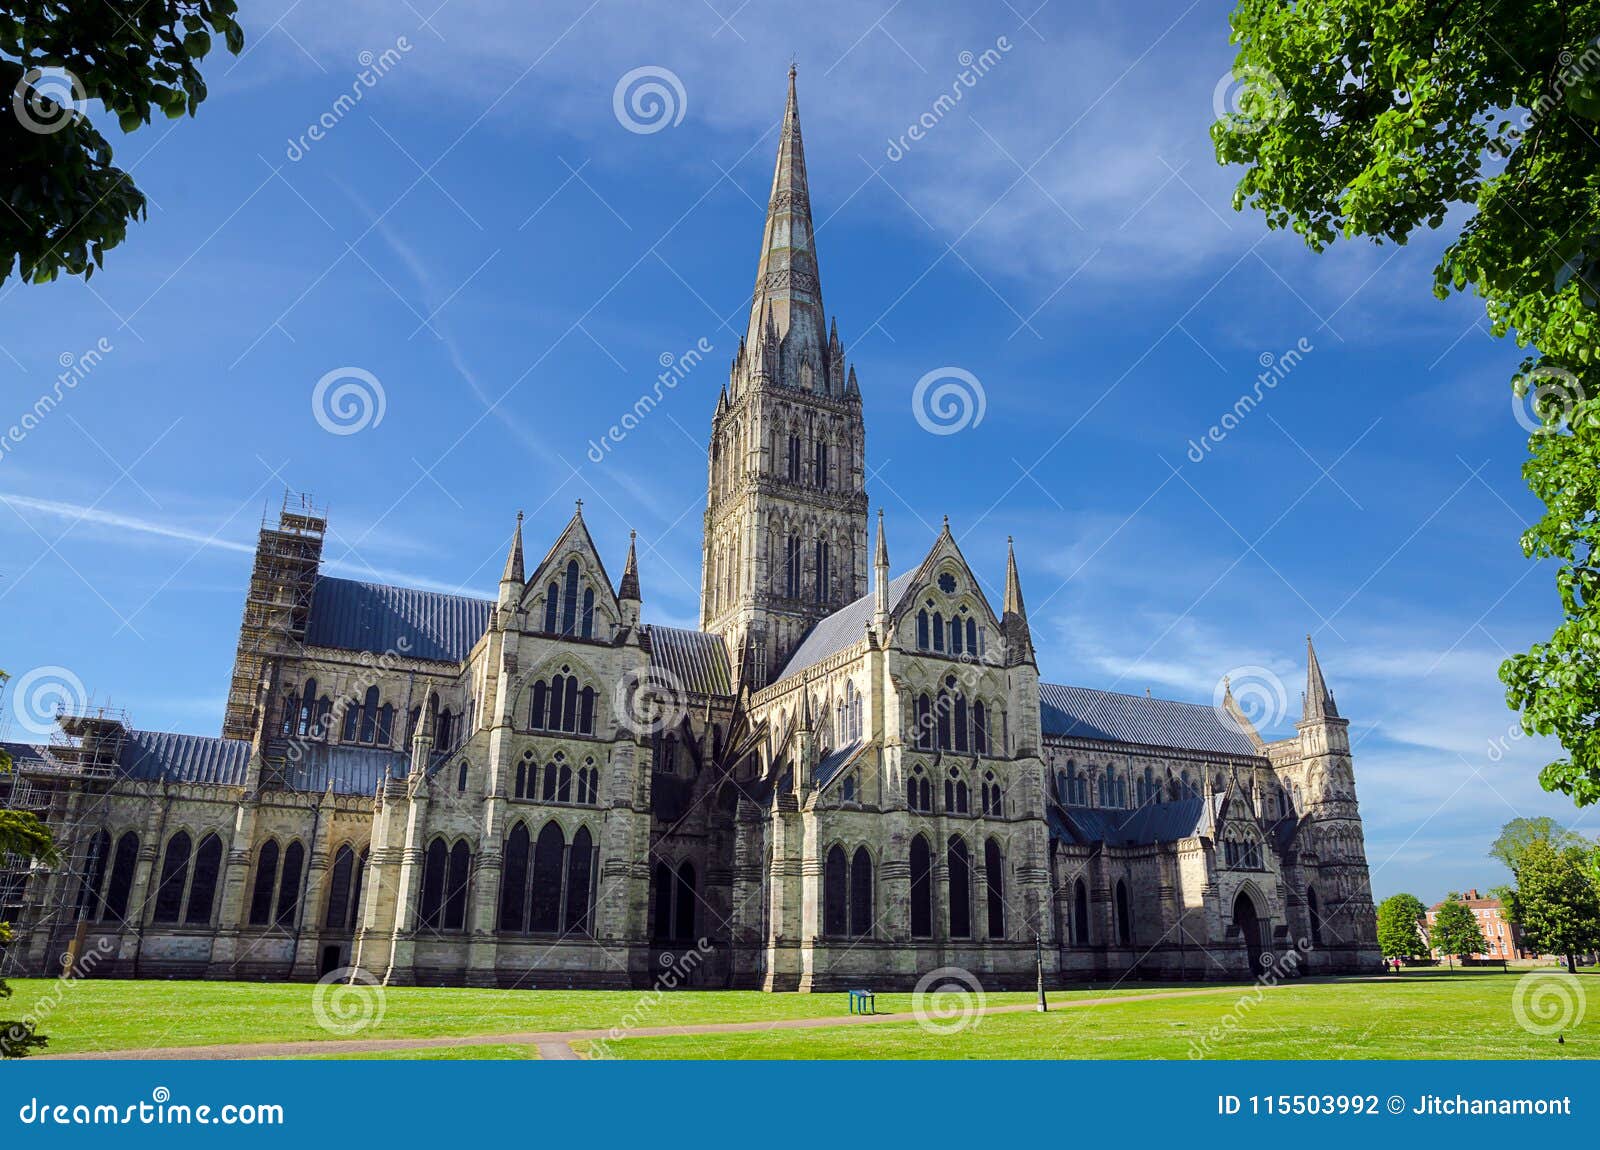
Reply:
x=787, y=300
x=513, y=571
x=1013, y=601
x=880, y=584
x=1318, y=703
x=880, y=557
x=1014, y=615
x=629, y=588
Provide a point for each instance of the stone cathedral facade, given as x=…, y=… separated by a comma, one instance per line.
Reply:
x=845, y=776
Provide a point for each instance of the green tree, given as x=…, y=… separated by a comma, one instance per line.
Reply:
x=1556, y=903
x=1400, y=926
x=1455, y=931
x=1374, y=118
x=1520, y=834
x=68, y=202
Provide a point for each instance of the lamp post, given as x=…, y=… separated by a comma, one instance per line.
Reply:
x=1038, y=962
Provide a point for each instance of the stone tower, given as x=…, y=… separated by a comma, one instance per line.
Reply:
x=786, y=508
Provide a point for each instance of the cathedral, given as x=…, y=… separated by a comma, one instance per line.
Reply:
x=844, y=777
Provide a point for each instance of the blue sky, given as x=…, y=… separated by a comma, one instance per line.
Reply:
x=484, y=235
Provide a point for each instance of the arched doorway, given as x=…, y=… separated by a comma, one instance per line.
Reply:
x=1249, y=924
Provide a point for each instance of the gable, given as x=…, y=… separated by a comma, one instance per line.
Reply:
x=574, y=544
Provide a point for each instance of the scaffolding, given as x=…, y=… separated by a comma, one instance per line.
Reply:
x=277, y=604
x=64, y=783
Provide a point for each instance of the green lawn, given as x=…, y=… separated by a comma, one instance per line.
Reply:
x=105, y=1014
x=1416, y=1016
x=1420, y=1015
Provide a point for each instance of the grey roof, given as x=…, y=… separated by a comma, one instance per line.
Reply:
x=1151, y=823
x=845, y=626
x=1087, y=714
x=351, y=770
x=836, y=760
x=697, y=659
x=375, y=617
x=154, y=756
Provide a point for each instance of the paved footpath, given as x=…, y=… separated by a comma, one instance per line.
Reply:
x=556, y=1045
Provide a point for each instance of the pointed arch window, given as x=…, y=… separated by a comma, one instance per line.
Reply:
x=266, y=882
x=203, y=889
x=174, y=876
x=938, y=631
x=919, y=791
x=549, y=857
x=794, y=459
x=980, y=728
x=1314, y=912
x=961, y=722
x=955, y=635
x=435, y=865
x=588, y=612
x=456, y=880
x=369, y=716
x=341, y=878
x=823, y=574
x=90, y=903
x=552, y=596
x=925, y=729
x=994, y=875
x=514, y=880
x=461, y=776
x=569, y=599
x=921, y=889
x=294, y=858
x=943, y=719
x=922, y=630
x=861, y=893
x=992, y=802
x=791, y=566
x=836, y=894
x=1080, y=914
x=580, y=878
x=972, y=637
x=1124, y=917
x=958, y=869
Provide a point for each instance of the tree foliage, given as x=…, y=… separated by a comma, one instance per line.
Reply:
x=1520, y=834
x=1374, y=118
x=1556, y=903
x=68, y=203
x=1400, y=926
x=1455, y=930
